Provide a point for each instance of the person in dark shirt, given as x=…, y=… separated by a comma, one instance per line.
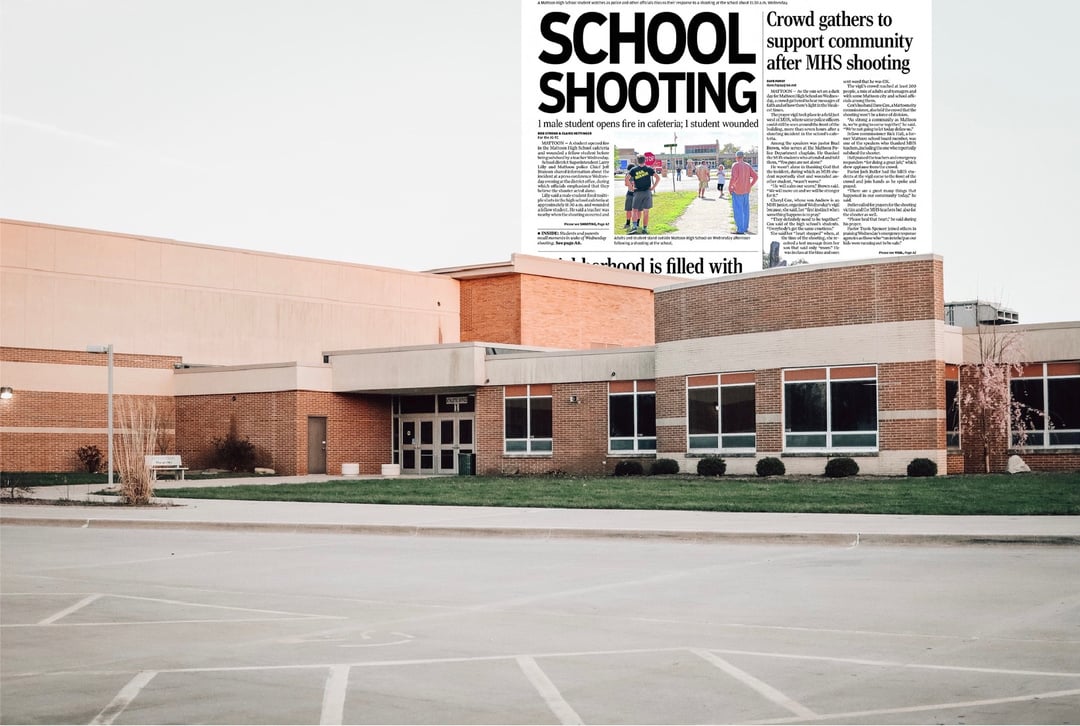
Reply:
x=644, y=180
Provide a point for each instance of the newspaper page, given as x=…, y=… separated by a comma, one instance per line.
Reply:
x=704, y=138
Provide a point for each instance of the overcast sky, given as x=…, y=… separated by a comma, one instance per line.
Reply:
x=330, y=128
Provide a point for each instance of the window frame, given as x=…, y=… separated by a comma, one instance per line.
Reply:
x=639, y=442
x=829, y=376
x=953, y=437
x=531, y=444
x=719, y=382
x=1045, y=373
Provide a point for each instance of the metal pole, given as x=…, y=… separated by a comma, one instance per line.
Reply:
x=110, y=352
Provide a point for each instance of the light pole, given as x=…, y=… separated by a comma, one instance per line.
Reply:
x=107, y=349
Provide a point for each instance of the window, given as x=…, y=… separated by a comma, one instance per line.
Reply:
x=632, y=416
x=952, y=406
x=831, y=408
x=721, y=412
x=527, y=419
x=1049, y=398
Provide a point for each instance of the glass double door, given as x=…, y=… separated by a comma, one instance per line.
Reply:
x=430, y=444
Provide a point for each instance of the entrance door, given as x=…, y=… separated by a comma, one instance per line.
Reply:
x=455, y=437
x=316, y=445
x=431, y=444
x=418, y=444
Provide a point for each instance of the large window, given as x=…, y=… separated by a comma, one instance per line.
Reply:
x=1049, y=398
x=831, y=409
x=527, y=416
x=721, y=413
x=952, y=406
x=632, y=416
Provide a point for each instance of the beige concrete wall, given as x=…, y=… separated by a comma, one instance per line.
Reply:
x=251, y=379
x=627, y=364
x=62, y=378
x=895, y=342
x=1033, y=343
x=448, y=366
x=64, y=289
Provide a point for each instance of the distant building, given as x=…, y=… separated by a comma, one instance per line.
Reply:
x=969, y=313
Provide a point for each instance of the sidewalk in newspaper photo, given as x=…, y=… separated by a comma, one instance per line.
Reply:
x=703, y=216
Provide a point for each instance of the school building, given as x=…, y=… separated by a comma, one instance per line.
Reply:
x=525, y=366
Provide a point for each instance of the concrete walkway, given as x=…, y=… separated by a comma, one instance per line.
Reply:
x=712, y=215
x=834, y=529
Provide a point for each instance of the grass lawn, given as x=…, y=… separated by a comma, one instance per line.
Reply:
x=667, y=207
x=1021, y=494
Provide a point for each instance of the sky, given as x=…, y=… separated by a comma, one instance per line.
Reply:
x=389, y=133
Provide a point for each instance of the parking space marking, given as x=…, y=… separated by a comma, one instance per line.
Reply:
x=53, y=620
x=333, y=703
x=124, y=698
x=68, y=611
x=929, y=707
x=898, y=664
x=548, y=691
x=755, y=683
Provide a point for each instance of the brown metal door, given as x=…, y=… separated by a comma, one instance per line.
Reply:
x=316, y=445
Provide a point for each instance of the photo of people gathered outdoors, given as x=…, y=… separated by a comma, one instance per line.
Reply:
x=702, y=190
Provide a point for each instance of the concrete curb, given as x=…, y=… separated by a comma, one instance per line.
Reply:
x=835, y=539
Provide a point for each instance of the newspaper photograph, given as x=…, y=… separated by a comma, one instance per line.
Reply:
x=706, y=138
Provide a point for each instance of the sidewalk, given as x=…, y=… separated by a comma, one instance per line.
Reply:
x=712, y=215
x=755, y=527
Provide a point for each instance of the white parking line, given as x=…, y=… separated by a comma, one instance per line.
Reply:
x=547, y=690
x=758, y=685
x=124, y=698
x=929, y=707
x=898, y=664
x=333, y=703
x=68, y=611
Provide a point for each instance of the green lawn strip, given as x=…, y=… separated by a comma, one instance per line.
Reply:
x=667, y=207
x=1026, y=494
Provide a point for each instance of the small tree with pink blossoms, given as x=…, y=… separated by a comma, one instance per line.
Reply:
x=987, y=408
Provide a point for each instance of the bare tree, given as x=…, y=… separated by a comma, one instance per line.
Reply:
x=138, y=437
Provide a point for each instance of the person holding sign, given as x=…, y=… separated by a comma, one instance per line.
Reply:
x=743, y=178
x=644, y=179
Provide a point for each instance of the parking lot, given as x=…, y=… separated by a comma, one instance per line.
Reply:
x=176, y=626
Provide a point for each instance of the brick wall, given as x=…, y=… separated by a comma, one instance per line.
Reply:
x=491, y=309
x=357, y=428
x=579, y=434
x=41, y=430
x=844, y=295
x=82, y=358
x=574, y=314
x=551, y=312
x=57, y=424
x=768, y=403
x=265, y=419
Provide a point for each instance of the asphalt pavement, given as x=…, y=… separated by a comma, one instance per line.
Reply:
x=750, y=527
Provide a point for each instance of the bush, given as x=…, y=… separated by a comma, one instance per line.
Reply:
x=841, y=466
x=234, y=453
x=629, y=468
x=664, y=466
x=90, y=457
x=711, y=466
x=770, y=466
x=922, y=467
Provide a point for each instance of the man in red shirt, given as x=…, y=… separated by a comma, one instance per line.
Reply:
x=743, y=178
